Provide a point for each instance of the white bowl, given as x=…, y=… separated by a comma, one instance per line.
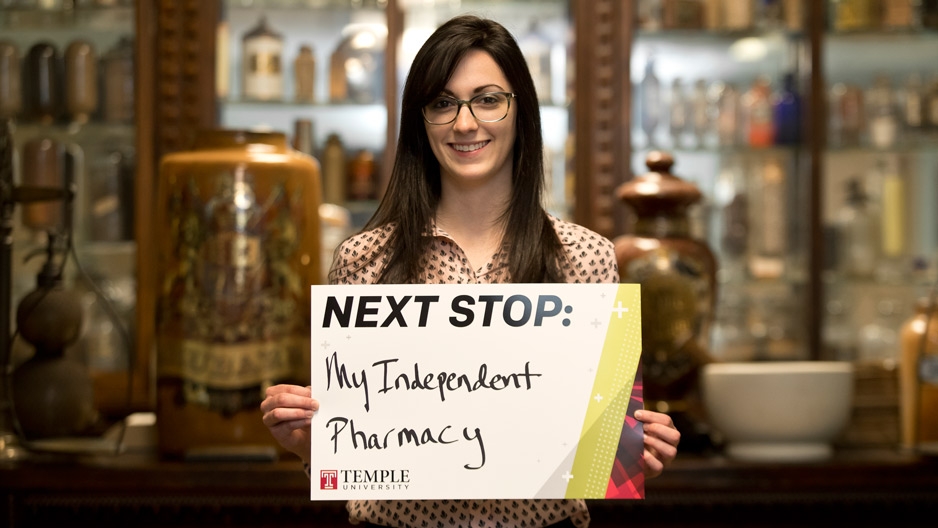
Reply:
x=784, y=411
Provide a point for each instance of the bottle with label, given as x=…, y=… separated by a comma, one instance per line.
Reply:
x=847, y=115
x=858, y=230
x=725, y=99
x=757, y=113
x=881, y=114
x=304, y=75
x=768, y=236
x=918, y=378
x=677, y=117
x=262, y=63
x=333, y=167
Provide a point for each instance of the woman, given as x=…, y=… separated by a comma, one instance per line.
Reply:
x=464, y=205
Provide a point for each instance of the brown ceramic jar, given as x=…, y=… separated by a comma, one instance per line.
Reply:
x=237, y=233
x=677, y=277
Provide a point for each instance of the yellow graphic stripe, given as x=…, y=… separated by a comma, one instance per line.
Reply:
x=609, y=400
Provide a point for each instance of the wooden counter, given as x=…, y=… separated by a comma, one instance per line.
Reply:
x=859, y=488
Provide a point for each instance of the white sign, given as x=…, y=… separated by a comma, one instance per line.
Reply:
x=475, y=391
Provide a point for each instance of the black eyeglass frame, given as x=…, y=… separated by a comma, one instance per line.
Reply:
x=468, y=103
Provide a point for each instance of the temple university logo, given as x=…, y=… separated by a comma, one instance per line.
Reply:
x=328, y=479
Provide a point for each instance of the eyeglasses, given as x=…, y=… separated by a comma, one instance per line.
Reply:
x=487, y=107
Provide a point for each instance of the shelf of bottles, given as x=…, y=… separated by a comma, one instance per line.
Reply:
x=880, y=185
x=313, y=70
x=66, y=81
x=720, y=85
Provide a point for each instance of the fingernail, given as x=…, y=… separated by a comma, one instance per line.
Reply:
x=638, y=415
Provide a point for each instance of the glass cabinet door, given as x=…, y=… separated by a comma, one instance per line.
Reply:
x=879, y=187
x=67, y=81
x=721, y=86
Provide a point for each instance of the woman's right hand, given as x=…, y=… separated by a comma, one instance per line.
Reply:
x=288, y=411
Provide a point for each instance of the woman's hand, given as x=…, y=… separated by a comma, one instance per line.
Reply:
x=288, y=411
x=661, y=440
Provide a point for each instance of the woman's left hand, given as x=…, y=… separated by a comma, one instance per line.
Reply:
x=661, y=440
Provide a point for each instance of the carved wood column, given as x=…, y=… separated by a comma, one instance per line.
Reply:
x=176, y=98
x=602, y=92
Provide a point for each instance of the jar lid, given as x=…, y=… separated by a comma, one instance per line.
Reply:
x=659, y=190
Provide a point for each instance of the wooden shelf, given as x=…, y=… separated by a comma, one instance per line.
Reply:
x=859, y=488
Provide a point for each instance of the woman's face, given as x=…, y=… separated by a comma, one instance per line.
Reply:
x=470, y=151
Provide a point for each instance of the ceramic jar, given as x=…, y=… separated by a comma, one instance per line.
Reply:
x=677, y=277
x=238, y=239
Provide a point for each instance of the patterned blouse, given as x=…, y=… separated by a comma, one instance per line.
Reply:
x=590, y=258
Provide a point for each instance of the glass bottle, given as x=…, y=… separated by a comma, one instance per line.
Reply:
x=42, y=83
x=738, y=15
x=899, y=14
x=912, y=109
x=879, y=338
x=118, y=66
x=649, y=14
x=303, y=136
x=882, y=120
x=858, y=230
x=650, y=102
x=786, y=109
x=768, y=236
x=852, y=15
x=361, y=176
x=757, y=113
x=81, y=80
x=700, y=112
x=892, y=265
x=931, y=106
x=677, y=113
x=304, y=75
x=356, y=65
x=918, y=378
x=11, y=89
x=850, y=118
x=334, y=167
x=725, y=99
x=262, y=63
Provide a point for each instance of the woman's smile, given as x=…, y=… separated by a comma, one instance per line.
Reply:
x=469, y=147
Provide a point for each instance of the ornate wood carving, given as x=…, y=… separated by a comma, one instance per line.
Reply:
x=602, y=94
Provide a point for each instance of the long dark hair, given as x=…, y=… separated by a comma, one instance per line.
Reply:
x=414, y=187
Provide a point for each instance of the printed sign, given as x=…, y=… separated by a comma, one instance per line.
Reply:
x=486, y=391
